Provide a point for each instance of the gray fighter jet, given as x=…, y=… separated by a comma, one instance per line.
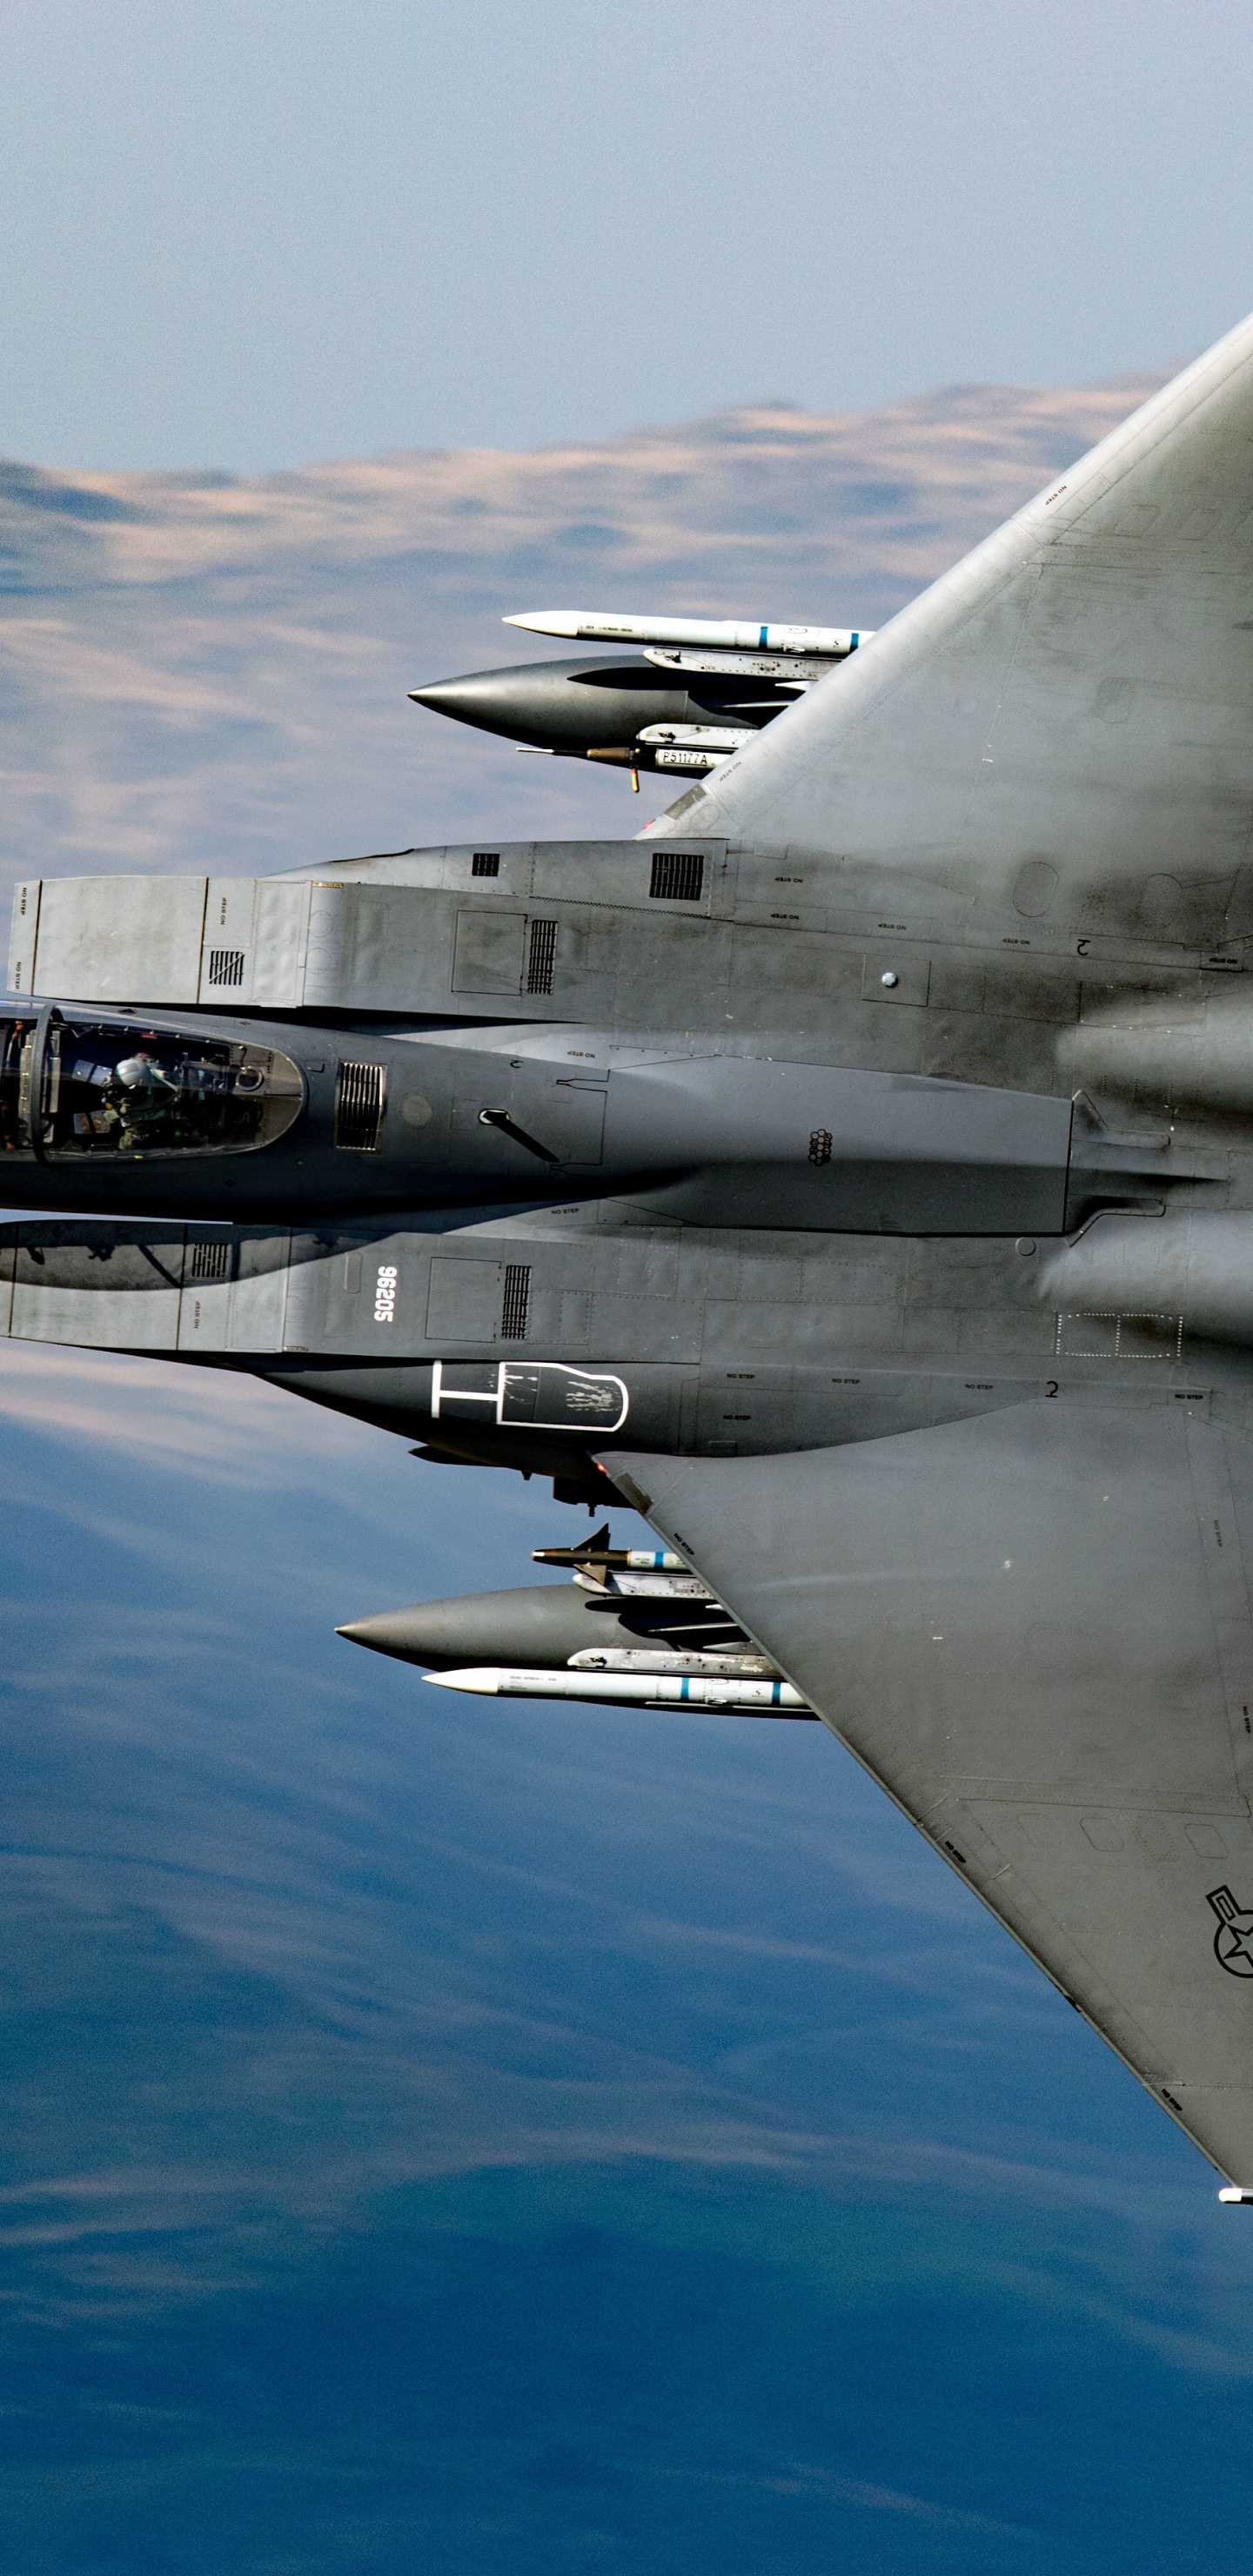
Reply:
x=853, y=1175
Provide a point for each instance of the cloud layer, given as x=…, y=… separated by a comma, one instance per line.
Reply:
x=211, y=670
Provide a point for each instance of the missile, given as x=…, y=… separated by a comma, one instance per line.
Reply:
x=638, y=1573
x=596, y=1551
x=733, y=1695
x=735, y=635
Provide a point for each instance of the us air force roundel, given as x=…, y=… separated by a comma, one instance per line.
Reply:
x=1234, y=1936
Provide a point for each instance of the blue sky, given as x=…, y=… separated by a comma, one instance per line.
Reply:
x=476, y=2136
x=486, y=2136
x=280, y=230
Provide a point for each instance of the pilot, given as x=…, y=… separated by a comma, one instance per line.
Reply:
x=142, y=1091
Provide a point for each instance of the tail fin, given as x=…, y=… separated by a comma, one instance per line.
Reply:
x=1063, y=719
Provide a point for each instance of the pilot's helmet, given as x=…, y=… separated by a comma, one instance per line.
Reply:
x=141, y=1073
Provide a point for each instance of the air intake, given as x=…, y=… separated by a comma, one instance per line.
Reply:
x=678, y=875
x=360, y=1104
x=517, y=1300
x=226, y=965
x=210, y=1261
x=539, y=957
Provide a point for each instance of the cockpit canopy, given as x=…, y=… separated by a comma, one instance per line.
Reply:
x=102, y=1088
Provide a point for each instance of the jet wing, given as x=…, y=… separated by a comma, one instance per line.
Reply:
x=1034, y=1630
x=1067, y=706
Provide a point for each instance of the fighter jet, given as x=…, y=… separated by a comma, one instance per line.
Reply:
x=698, y=690
x=852, y=1175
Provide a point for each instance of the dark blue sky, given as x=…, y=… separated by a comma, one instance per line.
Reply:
x=484, y=2137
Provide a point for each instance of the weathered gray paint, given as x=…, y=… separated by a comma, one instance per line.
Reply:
x=1064, y=716
x=1035, y=1631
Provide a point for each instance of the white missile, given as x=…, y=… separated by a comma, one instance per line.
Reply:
x=629, y=1690
x=734, y=635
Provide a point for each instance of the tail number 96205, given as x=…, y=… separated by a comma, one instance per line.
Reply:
x=385, y=1293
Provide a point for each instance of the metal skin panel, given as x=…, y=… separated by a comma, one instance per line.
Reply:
x=827, y=987
x=116, y=1295
x=1195, y=1265
x=1034, y=1630
x=463, y=1302
x=226, y=946
x=1167, y=1053
x=489, y=952
x=23, y=934
x=247, y=1309
x=177, y=1291
x=254, y=944
x=119, y=938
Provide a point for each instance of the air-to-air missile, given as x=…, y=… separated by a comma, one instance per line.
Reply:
x=695, y=690
x=634, y=1629
x=733, y=1697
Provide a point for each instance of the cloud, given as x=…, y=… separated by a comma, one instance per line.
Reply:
x=209, y=1424
x=208, y=670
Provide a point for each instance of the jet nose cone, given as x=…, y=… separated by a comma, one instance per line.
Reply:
x=548, y=705
x=542, y=1623
x=417, y=1640
x=465, y=698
